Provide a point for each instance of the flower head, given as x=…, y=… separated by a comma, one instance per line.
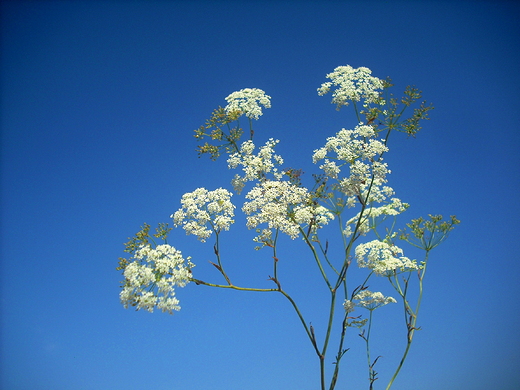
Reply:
x=352, y=84
x=349, y=305
x=247, y=101
x=204, y=212
x=283, y=206
x=257, y=166
x=372, y=300
x=361, y=153
x=383, y=258
x=151, y=278
x=348, y=146
x=390, y=208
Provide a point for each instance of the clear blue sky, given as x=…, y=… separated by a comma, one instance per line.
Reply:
x=99, y=101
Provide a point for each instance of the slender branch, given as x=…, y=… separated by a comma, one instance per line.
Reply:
x=329, y=325
x=275, y=257
x=411, y=322
x=316, y=257
x=341, y=352
x=233, y=287
x=217, y=253
x=371, y=373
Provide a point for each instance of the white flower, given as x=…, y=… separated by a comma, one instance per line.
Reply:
x=330, y=168
x=372, y=300
x=352, y=84
x=151, y=278
x=350, y=145
x=359, y=151
x=393, y=208
x=365, y=130
x=349, y=305
x=383, y=258
x=247, y=101
x=319, y=154
x=283, y=206
x=264, y=238
x=238, y=183
x=255, y=167
x=204, y=212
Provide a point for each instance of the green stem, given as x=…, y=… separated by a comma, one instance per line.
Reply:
x=230, y=140
x=217, y=253
x=367, y=341
x=316, y=257
x=340, y=354
x=251, y=131
x=329, y=326
x=275, y=258
x=233, y=287
x=411, y=322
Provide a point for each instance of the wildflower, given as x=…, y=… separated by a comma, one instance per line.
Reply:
x=264, y=238
x=330, y=168
x=392, y=208
x=358, y=150
x=383, y=258
x=151, y=278
x=351, y=145
x=349, y=305
x=255, y=167
x=204, y=212
x=247, y=101
x=352, y=84
x=372, y=300
x=283, y=206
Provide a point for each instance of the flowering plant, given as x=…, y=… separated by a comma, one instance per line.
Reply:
x=353, y=179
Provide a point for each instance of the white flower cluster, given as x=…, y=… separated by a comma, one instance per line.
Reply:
x=352, y=145
x=150, y=279
x=283, y=206
x=204, y=212
x=383, y=258
x=392, y=208
x=255, y=166
x=352, y=84
x=368, y=300
x=349, y=306
x=359, y=150
x=265, y=237
x=248, y=101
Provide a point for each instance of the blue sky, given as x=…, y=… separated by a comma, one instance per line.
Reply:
x=99, y=101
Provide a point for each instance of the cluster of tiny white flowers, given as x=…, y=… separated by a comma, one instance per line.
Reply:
x=369, y=300
x=255, y=166
x=392, y=208
x=383, y=258
x=361, y=152
x=204, y=212
x=352, y=84
x=349, y=306
x=248, y=101
x=351, y=145
x=283, y=206
x=264, y=238
x=331, y=168
x=150, y=279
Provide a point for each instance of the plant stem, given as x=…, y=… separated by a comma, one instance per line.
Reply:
x=340, y=354
x=316, y=257
x=367, y=341
x=217, y=253
x=412, y=322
